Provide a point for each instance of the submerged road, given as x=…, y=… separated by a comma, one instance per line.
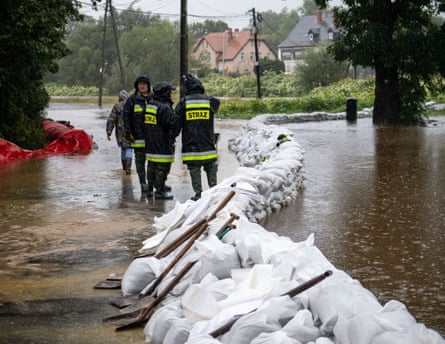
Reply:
x=374, y=199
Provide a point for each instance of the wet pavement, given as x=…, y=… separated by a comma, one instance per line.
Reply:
x=374, y=199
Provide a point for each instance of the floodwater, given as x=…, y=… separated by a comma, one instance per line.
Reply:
x=374, y=199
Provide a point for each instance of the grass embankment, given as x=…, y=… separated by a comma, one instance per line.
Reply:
x=330, y=99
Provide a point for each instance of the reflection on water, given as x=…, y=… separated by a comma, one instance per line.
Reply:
x=67, y=222
x=374, y=199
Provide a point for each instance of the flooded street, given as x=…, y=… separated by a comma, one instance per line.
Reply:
x=374, y=199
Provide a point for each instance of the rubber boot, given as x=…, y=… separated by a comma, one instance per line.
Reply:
x=128, y=166
x=123, y=164
x=159, y=183
x=150, y=190
x=195, y=175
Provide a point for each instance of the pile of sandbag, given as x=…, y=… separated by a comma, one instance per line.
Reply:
x=244, y=274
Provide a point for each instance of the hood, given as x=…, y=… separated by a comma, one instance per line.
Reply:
x=123, y=95
x=193, y=85
x=163, y=90
x=142, y=78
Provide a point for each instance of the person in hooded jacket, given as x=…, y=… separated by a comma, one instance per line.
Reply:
x=159, y=138
x=134, y=114
x=115, y=122
x=195, y=118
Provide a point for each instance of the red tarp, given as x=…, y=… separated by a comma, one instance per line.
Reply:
x=64, y=140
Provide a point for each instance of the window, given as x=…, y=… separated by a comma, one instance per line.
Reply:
x=252, y=56
x=311, y=36
x=331, y=35
x=242, y=56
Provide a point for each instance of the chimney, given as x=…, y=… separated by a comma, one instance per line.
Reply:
x=229, y=37
x=319, y=17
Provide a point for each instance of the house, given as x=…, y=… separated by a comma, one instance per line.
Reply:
x=231, y=51
x=308, y=33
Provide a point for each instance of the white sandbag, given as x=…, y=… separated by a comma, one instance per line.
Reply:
x=301, y=327
x=392, y=324
x=178, y=332
x=418, y=334
x=184, y=282
x=267, y=318
x=304, y=262
x=222, y=318
x=252, y=284
x=249, y=327
x=172, y=218
x=194, y=213
x=151, y=244
x=250, y=241
x=139, y=274
x=339, y=298
x=324, y=340
x=216, y=257
x=277, y=337
x=200, y=301
x=203, y=339
x=161, y=321
x=363, y=327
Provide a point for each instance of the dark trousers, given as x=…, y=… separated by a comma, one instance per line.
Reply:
x=157, y=175
x=211, y=169
x=139, y=161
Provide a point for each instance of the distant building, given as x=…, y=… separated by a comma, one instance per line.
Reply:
x=231, y=52
x=308, y=33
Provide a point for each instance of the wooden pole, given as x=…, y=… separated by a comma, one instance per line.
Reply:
x=183, y=64
x=257, y=62
x=102, y=63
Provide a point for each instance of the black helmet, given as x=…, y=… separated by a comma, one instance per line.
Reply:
x=193, y=85
x=142, y=78
x=163, y=89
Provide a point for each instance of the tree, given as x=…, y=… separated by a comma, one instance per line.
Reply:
x=31, y=40
x=309, y=8
x=399, y=40
x=152, y=50
x=197, y=30
x=319, y=69
x=274, y=27
x=82, y=65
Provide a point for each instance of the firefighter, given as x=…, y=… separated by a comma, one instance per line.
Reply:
x=195, y=118
x=159, y=138
x=134, y=114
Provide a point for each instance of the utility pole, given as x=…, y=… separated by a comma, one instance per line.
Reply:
x=183, y=64
x=257, y=62
x=109, y=7
x=102, y=63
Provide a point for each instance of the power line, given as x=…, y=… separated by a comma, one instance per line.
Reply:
x=232, y=17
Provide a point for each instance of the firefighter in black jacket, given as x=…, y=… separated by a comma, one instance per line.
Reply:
x=134, y=114
x=195, y=116
x=159, y=138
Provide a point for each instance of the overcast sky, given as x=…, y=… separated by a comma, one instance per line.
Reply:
x=233, y=12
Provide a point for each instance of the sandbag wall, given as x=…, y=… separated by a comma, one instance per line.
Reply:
x=246, y=269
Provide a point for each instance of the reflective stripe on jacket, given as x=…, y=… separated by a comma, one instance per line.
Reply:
x=195, y=114
x=159, y=132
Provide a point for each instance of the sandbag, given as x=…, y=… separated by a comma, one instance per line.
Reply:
x=267, y=318
x=161, y=321
x=277, y=337
x=178, y=332
x=301, y=327
x=139, y=274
